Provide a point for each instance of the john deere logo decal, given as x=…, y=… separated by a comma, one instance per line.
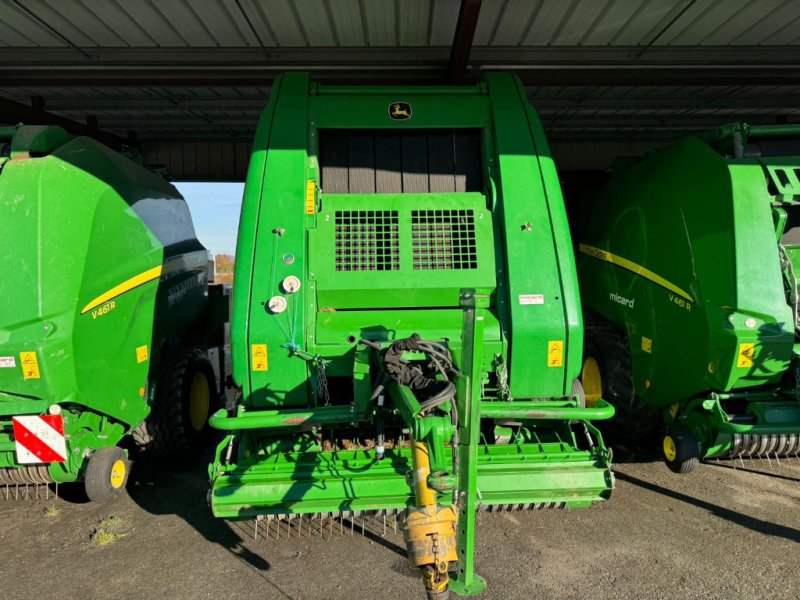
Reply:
x=399, y=111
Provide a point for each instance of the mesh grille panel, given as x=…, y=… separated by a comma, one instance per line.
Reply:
x=443, y=239
x=366, y=240
x=414, y=161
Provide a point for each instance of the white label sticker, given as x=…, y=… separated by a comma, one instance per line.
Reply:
x=531, y=298
x=7, y=362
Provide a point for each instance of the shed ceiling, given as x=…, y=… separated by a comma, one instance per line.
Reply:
x=183, y=70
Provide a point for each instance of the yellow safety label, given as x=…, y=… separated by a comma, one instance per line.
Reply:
x=310, y=193
x=259, y=355
x=746, y=353
x=141, y=354
x=555, y=353
x=647, y=345
x=30, y=365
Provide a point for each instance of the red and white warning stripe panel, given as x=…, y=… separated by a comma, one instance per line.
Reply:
x=40, y=439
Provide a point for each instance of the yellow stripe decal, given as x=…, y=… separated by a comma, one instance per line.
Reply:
x=123, y=287
x=633, y=268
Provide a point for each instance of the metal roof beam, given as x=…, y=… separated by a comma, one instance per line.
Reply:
x=211, y=57
x=667, y=75
x=631, y=101
x=539, y=76
x=632, y=55
x=15, y=112
x=177, y=121
x=576, y=100
x=585, y=65
x=621, y=123
x=160, y=136
x=353, y=57
x=462, y=40
x=589, y=120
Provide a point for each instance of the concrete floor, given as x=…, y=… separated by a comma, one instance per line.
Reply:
x=717, y=533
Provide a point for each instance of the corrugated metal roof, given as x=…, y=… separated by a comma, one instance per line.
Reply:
x=354, y=23
x=77, y=32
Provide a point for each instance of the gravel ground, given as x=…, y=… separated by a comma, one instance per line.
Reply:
x=719, y=532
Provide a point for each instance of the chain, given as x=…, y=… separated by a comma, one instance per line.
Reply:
x=322, y=383
x=320, y=363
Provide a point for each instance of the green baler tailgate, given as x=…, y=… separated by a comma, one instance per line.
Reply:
x=401, y=251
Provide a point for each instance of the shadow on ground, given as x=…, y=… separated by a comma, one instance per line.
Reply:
x=736, y=467
x=753, y=523
x=183, y=491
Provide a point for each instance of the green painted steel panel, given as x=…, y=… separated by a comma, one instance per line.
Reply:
x=684, y=253
x=703, y=224
x=79, y=222
x=274, y=208
x=542, y=305
x=401, y=277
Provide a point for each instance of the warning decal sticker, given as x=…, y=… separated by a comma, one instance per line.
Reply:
x=746, y=352
x=310, y=200
x=555, y=353
x=141, y=354
x=259, y=357
x=30, y=365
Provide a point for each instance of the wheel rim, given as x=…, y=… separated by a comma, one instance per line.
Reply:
x=592, y=381
x=669, y=448
x=117, y=477
x=199, y=401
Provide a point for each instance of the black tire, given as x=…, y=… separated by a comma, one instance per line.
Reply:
x=106, y=474
x=634, y=423
x=684, y=453
x=171, y=429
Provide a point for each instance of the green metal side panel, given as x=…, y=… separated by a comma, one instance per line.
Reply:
x=83, y=221
x=335, y=327
x=365, y=107
x=564, y=249
x=702, y=227
x=76, y=236
x=543, y=304
x=246, y=244
x=275, y=208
